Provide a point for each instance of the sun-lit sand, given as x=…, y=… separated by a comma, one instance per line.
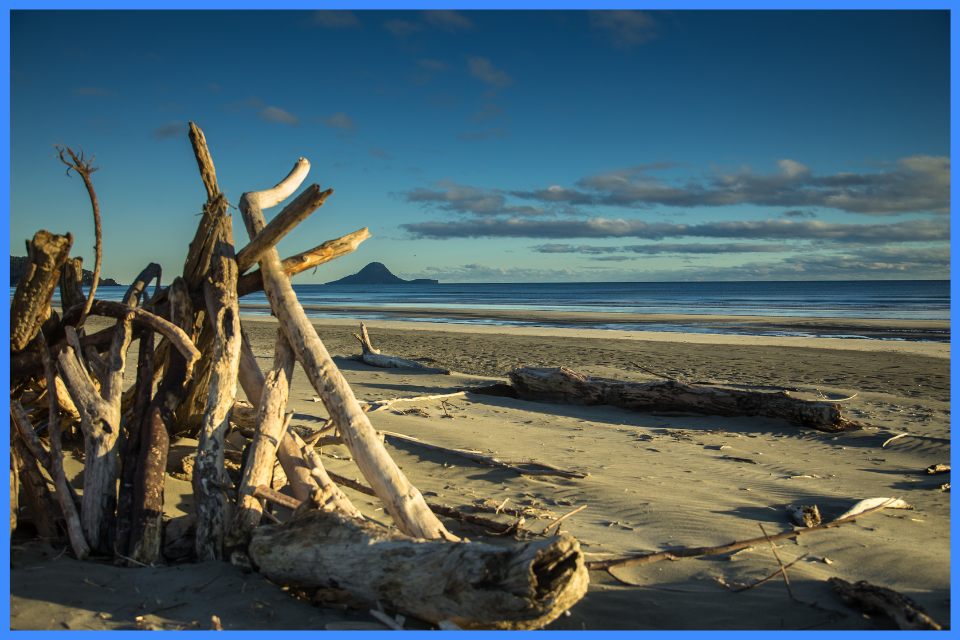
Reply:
x=656, y=480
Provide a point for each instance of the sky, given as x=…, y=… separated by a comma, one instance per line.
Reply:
x=501, y=146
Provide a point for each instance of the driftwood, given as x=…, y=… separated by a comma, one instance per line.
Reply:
x=400, y=498
x=328, y=496
x=33, y=486
x=476, y=585
x=564, y=386
x=263, y=448
x=14, y=492
x=220, y=290
x=71, y=288
x=374, y=358
x=30, y=307
x=872, y=599
x=695, y=552
x=282, y=224
x=147, y=516
x=85, y=167
x=100, y=422
x=253, y=281
x=66, y=495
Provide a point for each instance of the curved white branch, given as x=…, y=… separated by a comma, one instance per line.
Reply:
x=272, y=197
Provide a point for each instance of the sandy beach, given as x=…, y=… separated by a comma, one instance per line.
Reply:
x=655, y=480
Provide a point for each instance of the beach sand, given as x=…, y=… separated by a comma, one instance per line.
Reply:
x=656, y=480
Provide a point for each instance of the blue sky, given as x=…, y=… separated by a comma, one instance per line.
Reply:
x=503, y=146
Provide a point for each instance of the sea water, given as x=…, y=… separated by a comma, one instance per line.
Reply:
x=878, y=299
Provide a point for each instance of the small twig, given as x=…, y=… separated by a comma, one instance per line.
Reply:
x=561, y=519
x=654, y=373
x=783, y=569
x=896, y=437
x=695, y=552
x=501, y=506
x=773, y=575
x=265, y=492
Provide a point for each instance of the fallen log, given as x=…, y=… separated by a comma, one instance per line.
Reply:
x=476, y=585
x=564, y=386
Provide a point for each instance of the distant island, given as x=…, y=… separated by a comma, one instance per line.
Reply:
x=17, y=263
x=377, y=273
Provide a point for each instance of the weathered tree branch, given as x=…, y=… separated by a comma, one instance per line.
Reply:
x=84, y=167
x=30, y=307
x=284, y=222
x=400, y=498
x=220, y=290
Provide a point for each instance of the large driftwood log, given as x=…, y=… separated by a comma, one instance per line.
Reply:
x=263, y=449
x=220, y=290
x=401, y=499
x=30, y=307
x=476, y=585
x=253, y=281
x=564, y=386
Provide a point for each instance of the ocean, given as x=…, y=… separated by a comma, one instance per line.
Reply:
x=877, y=299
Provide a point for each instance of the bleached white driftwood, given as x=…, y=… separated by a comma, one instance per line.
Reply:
x=373, y=357
x=401, y=499
x=476, y=585
x=263, y=448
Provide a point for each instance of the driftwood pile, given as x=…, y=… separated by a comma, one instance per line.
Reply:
x=186, y=384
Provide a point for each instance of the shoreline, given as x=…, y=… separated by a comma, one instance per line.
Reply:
x=866, y=334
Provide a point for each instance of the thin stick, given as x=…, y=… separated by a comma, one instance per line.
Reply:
x=654, y=373
x=265, y=492
x=783, y=569
x=561, y=519
x=693, y=552
x=896, y=437
x=83, y=166
x=773, y=575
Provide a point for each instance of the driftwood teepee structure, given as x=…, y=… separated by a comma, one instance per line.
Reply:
x=188, y=382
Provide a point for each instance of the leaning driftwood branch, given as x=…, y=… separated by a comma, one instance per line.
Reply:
x=253, y=281
x=564, y=386
x=476, y=585
x=284, y=222
x=400, y=498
